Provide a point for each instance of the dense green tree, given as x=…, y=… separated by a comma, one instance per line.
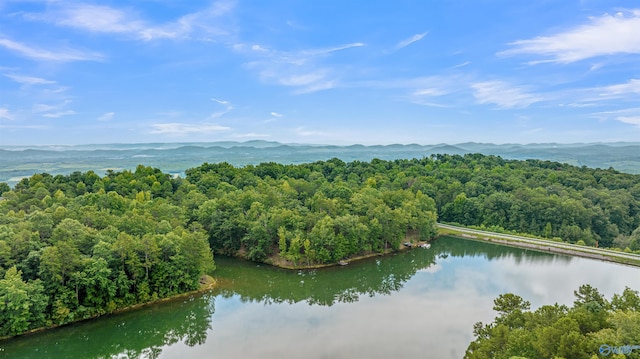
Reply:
x=555, y=331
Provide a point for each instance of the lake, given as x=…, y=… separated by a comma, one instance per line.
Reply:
x=420, y=303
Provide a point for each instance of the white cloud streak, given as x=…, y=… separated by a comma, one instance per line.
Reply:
x=228, y=107
x=40, y=107
x=629, y=116
x=252, y=135
x=181, y=129
x=222, y=102
x=105, y=19
x=411, y=40
x=301, y=131
x=605, y=35
x=298, y=69
x=66, y=55
x=275, y=114
x=59, y=114
x=503, y=95
x=631, y=87
x=29, y=80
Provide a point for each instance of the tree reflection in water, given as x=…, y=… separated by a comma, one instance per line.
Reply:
x=140, y=333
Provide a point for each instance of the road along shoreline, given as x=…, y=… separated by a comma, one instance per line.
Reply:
x=541, y=245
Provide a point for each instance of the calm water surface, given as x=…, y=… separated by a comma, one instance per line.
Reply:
x=417, y=304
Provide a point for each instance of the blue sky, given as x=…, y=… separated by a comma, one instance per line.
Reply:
x=330, y=72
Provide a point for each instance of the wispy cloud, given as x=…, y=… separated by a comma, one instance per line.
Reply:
x=65, y=55
x=106, y=117
x=503, y=94
x=411, y=40
x=302, y=131
x=303, y=70
x=275, y=114
x=40, y=107
x=631, y=87
x=181, y=129
x=604, y=35
x=222, y=102
x=106, y=19
x=328, y=50
x=629, y=116
x=427, y=97
x=227, y=108
x=461, y=65
x=597, y=96
x=59, y=114
x=5, y=114
x=251, y=135
x=29, y=80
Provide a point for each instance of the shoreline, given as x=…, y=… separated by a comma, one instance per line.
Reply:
x=207, y=283
x=290, y=266
x=542, y=247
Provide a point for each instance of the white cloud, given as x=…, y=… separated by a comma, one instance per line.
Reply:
x=301, y=131
x=597, y=96
x=222, y=102
x=328, y=50
x=29, y=80
x=66, y=55
x=40, y=107
x=59, y=114
x=425, y=96
x=299, y=69
x=180, y=129
x=635, y=120
x=98, y=18
x=631, y=87
x=106, y=117
x=105, y=19
x=252, y=135
x=5, y=114
x=461, y=65
x=502, y=94
x=411, y=40
x=275, y=114
x=429, y=92
x=629, y=116
x=228, y=107
x=304, y=79
x=605, y=35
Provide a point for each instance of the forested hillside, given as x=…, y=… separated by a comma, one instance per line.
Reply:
x=78, y=245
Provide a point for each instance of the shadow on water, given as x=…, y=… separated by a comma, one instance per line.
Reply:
x=145, y=332
x=138, y=333
x=373, y=276
x=459, y=247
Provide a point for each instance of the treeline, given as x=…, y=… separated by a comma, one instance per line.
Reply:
x=307, y=214
x=593, y=326
x=80, y=245
x=73, y=247
x=548, y=199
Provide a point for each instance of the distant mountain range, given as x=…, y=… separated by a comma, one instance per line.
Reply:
x=17, y=162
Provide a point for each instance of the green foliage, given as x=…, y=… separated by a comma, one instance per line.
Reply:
x=555, y=331
x=91, y=244
x=76, y=246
